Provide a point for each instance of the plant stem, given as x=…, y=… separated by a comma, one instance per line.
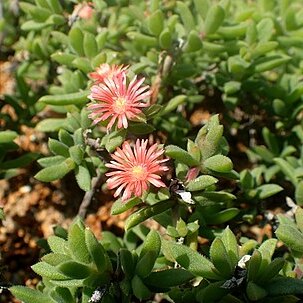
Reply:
x=89, y=195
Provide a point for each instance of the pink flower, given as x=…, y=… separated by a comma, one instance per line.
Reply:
x=135, y=169
x=106, y=71
x=84, y=10
x=117, y=100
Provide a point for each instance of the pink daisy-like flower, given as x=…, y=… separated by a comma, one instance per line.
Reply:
x=107, y=71
x=135, y=169
x=117, y=100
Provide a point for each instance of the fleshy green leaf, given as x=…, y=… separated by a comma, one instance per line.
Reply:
x=267, y=190
x=201, y=183
x=267, y=249
x=127, y=262
x=46, y=270
x=147, y=212
x=299, y=193
x=90, y=45
x=219, y=163
x=181, y=155
x=96, y=250
x=119, y=206
x=255, y=292
x=65, y=137
x=50, y=161
x=76, y=153
x=173, y=104
x=55, y=259
x=50, y=125
x=214, y=18
x=76, y=40
x=74, y=270
x=186, y=15
x=230, y=242
x=285, y=286
x=29, y=295
x=83, y=177
x=287, y=169
x=7, y=136
x=55, y=172
x=254, y=266
x=194, y=42
x=299, y=218
x=156, y=22
x=58, y=148
x=220, y=258
x=113, y=140
x=168, y=278
x=190, y=260
x=271, y=270
x=139, y=289
x=57, y=244
x=76, y=242
x=19, y=162
x=222, y=216
x=291, y=237
x=149, y=254
x=79, y=98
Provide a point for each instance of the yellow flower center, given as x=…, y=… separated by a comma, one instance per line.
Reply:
x=139, y=172
x=119, y=105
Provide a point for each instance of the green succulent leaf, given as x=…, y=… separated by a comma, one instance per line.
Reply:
x=255, y=292
x=299, y=218
x=148, y=212
x=120, y=206
x=218, y=163
x=191, y=260
x=50, y=125
x=214, y=18
x=181, y=155
x=222, y=216
x=7, y=136
x=168, y=278
x=173, y=103
x=127, y=262
x=201, y=183
x=57, y=244
x=140, y=290
x=28, y=295
x=156, y=22
x=83, y=177
x=76, y=40
x=96, y=251
x=55, y=172
x=254, y=266
x=271, y=270
x=79, y=98
x=220, y=258
x=291, y=236
x=230, y=243
x=284, y=286
x=76, y=242
x=186, y=15
x=299, y=193
x=74, y=270
x=268, y=190
x=149, y=253
x=46, y=270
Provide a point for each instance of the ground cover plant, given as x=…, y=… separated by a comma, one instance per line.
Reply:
x=183, y=118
